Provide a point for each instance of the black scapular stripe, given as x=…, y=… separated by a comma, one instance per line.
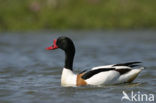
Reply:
x=123, y=71
x=130, y=64
x=89, y=74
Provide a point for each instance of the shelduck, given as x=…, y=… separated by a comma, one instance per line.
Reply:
x=101, y=75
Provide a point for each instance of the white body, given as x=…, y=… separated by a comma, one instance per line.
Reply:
x=68, y=78
x=113, y=77
x=108, y=77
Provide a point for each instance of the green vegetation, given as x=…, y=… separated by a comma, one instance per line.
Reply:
x=21, y=15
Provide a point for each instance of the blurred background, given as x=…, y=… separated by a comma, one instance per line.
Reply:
x=33, y=15
x=104, y=32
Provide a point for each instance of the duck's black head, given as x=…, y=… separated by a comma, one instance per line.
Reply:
x=63, y=43
x=67, y=45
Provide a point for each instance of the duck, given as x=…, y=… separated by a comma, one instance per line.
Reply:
x=96, y=76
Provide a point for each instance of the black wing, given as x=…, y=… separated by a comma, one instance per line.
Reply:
x=89, y=74
x=130, y=64
x=123, y=71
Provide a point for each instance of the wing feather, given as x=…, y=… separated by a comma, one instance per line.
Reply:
x=96, y=71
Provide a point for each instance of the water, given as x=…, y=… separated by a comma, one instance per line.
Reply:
x=31, y=74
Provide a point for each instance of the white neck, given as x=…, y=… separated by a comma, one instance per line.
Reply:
x=68, y=78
